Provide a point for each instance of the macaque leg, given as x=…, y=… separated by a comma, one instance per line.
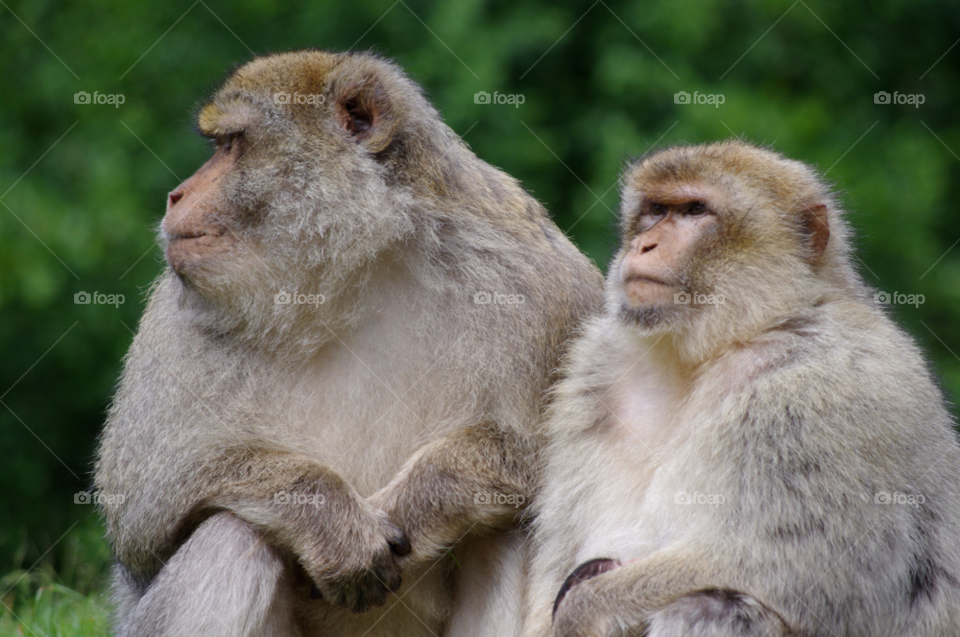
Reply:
x=224, y=581
x=488, y=597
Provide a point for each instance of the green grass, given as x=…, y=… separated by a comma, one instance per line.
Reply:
x=62, y=594
x=54, y=610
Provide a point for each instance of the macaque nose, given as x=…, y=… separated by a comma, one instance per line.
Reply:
x=175, y=196
x=644, y=243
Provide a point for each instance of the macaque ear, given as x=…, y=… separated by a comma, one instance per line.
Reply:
x=817, y=230
x=364, y=110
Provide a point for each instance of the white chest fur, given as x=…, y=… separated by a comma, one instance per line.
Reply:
x=644, y=486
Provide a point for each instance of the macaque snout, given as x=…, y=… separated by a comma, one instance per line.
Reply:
x=193, y=224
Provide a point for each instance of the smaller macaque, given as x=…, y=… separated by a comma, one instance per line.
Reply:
x=744, y=444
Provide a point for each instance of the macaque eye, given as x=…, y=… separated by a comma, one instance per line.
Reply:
x=230, y=141
x=650, y=215
x=697, y=208
x=653, y=210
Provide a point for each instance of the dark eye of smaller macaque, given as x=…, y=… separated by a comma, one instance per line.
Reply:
x=697, y=208
x=650, y=214
x=653, y=210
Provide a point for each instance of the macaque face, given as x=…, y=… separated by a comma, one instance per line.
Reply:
x=197, y=223
x=209, y=217
x=671, y=230
x=282, y=175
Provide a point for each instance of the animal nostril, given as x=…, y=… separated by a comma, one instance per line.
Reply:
x=175, y=196
x=646, y=249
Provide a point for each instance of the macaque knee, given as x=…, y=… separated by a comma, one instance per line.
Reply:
x=225, y=580
x=717, y=613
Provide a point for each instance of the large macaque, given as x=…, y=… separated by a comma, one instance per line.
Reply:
x=337, y=381
x=744, y=444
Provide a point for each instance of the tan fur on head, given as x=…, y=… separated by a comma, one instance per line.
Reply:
x=319, y=207
x=768, y=205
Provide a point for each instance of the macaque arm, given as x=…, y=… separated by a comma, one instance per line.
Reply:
x=294, y=501
x=472, y=480
x=345, y=545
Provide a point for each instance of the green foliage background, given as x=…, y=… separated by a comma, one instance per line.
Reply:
x=82, y=187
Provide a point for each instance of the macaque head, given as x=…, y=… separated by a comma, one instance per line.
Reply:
x=309, y=181
x=721, y=239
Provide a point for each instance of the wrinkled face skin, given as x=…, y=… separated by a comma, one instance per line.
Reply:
x=670, y=233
